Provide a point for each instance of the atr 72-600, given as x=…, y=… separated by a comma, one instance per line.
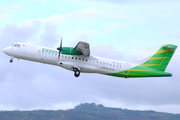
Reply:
x=78, y=59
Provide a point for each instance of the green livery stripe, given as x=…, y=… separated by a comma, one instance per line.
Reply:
x=137, y=70
x=121, y=73
x=140, y=71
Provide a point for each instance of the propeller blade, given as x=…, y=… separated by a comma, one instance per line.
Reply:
x=60, y=49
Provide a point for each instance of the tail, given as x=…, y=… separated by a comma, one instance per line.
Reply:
x=161, y=58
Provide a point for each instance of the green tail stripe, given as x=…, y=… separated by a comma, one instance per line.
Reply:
x=161, y=59
x=141, y=71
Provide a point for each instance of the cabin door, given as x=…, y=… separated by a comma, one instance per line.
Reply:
x=126, y=68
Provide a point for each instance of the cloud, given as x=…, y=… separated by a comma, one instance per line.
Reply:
x=40, y=0
x=5, y=13
x=30, y=85
x=4, y=16
x=50, y=36
x=90, y=13
x=12, y=33
x=135, y=1
x=4, y=10
x=33, y=82
x=54, y=19
x=84, y=14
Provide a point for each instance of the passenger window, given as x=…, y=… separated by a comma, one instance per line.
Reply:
x=75, y=58
x=65, y=56
x=72, y=57
x=79, y=58
x=69, y=57
x=106, y=63
x=86, y=60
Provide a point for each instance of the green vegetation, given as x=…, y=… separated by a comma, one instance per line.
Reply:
x=88, y=112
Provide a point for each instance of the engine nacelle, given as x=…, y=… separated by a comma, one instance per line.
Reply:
x=70, y=51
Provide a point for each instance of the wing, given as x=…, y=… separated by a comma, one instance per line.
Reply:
x=83, y=47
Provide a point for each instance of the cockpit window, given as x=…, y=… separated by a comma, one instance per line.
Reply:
x=16, y=45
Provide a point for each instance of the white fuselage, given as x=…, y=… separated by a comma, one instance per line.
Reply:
x=46, y=55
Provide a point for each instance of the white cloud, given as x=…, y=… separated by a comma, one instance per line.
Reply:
x=54, y=19
x=136, y=1
x=4, y=10
x=84, y=14
x=90, y=13
x=40, y=0
x=4, y=16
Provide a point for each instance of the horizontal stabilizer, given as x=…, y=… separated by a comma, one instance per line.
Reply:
x=169, y=47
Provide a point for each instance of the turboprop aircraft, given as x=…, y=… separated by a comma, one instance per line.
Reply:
x=78, y=59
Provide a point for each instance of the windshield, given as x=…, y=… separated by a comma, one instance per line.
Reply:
x=16, y=45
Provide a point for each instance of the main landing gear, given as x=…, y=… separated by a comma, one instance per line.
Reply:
x=76, y=72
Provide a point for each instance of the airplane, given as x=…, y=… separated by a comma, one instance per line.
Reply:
x=78, y=59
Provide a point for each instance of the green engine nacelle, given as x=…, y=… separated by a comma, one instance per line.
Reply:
x=70, y=51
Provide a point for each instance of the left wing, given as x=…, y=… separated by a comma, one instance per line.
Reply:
x=83, y=47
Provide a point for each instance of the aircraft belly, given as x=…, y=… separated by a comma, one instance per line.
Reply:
x=88, y=69
x=83, y=67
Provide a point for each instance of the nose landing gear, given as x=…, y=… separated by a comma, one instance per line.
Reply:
x=11, y=60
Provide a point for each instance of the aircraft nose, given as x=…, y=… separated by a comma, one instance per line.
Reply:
x=5, y=50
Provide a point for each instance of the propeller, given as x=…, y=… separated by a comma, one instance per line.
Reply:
x=60, y=49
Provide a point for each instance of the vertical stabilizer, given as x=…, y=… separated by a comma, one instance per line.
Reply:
x=161, y=58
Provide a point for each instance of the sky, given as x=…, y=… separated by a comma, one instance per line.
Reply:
x=118, y=29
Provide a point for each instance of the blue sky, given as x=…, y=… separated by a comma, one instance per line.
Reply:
x=118, y=29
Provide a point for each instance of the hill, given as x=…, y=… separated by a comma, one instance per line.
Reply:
x=88, y=112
